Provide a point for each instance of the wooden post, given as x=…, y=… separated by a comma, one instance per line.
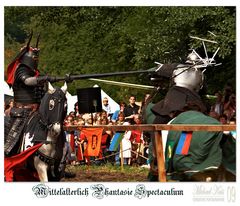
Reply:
x=160, y=157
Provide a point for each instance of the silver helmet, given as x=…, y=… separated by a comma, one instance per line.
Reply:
x=188, y=77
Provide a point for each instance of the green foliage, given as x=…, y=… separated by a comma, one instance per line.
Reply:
x=83, y=40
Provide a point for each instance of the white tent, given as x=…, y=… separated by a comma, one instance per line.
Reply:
x=8, y=93
x=72, y=99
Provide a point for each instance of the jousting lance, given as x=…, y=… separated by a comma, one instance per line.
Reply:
x=70, y=77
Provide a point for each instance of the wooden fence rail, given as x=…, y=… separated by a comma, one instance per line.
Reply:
x=159, y=127
x=158, y=136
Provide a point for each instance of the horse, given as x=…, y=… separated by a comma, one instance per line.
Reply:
x=45, y=128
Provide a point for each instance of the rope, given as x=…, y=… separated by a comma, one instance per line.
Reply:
x=104, y=157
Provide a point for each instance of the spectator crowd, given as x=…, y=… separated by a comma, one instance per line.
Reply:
x=134, y=143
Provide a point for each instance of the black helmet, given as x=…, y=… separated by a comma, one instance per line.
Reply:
x=30, y=56
x=27, y=56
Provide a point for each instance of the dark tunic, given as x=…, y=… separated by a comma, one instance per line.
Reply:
x=177, y=100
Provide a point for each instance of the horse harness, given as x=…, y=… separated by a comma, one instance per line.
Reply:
x=44, y=123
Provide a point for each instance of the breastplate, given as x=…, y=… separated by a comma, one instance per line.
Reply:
x=24, y=93
x=27, y=94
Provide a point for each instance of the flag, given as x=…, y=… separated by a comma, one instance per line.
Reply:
x=16, y=163
x=94, y=137
x=117, y=138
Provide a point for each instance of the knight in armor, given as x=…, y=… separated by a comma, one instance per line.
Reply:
x=28, y=88
x=188, y=80
x=183, y=96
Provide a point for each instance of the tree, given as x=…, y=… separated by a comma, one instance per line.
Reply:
x=81, y=40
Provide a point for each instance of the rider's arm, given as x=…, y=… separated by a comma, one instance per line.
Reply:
x=31, y=81
x=27, y=77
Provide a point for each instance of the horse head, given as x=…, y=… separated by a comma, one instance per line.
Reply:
x=53, y=109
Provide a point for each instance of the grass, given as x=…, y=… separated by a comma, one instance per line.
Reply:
x=107, y=173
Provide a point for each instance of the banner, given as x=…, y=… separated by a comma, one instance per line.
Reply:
x=94, y=138
x=117, y=138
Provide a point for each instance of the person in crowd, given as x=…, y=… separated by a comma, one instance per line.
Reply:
x=144, y=102
x=75, y=121
x=106, y=139
x=76, y=111
x=120, y=119
x=80, y=121
x=89, y=121
x=116, y=113
x=131, y=110
x=223, y=119
x=137, y=140
x=230, y=107
x=68, y=121
x=126, y=147
x=72, y=113
x=228, y=91
x=79, y=143
x=106, y=107
x=104, y=121
x=103, y=115
x=9, y=107
x=218, y=105
x=137, y=119
x=98, y=122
